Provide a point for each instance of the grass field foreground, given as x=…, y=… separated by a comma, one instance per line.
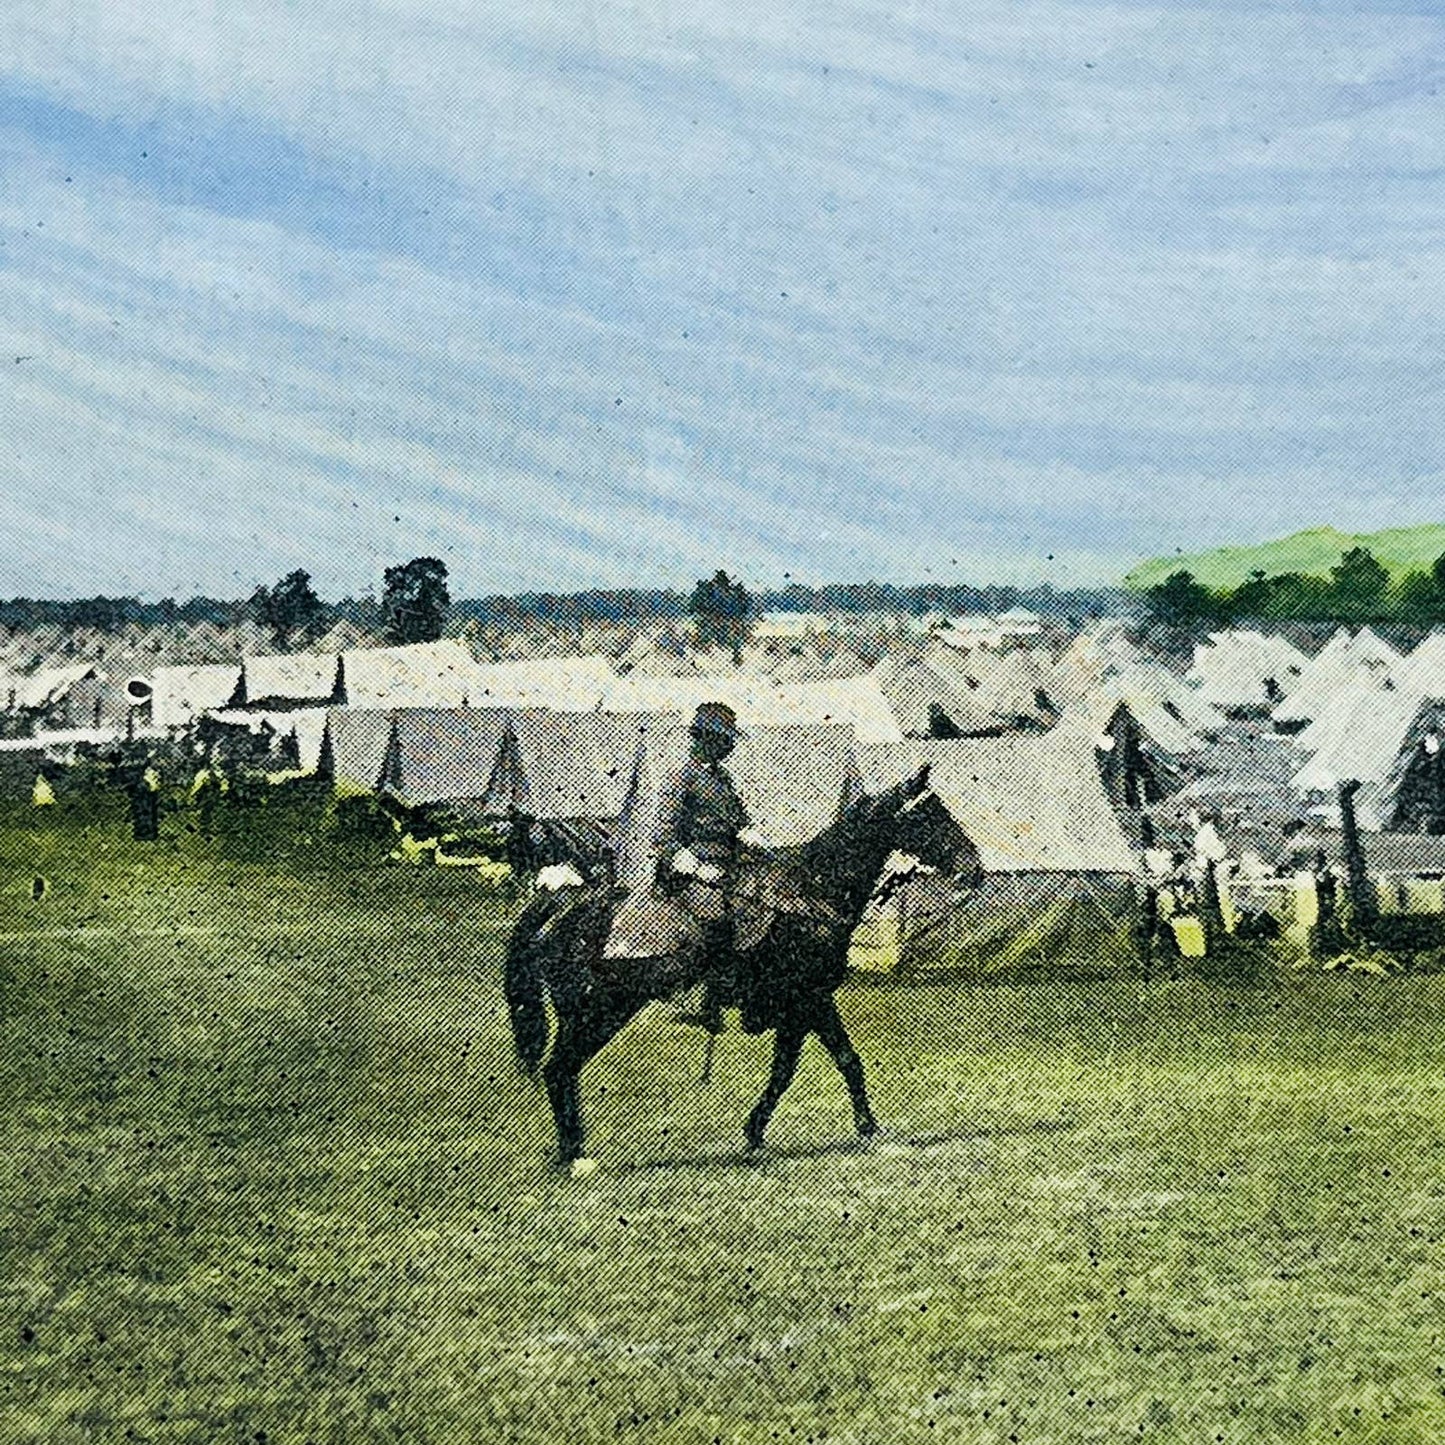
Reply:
x=267, y=1175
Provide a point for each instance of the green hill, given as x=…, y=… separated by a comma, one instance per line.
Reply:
x=1401, y=549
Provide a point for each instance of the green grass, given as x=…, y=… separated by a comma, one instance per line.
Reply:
x=1312, y=552
x=268, y=1175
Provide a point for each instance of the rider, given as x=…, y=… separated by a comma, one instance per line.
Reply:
x=697, y=841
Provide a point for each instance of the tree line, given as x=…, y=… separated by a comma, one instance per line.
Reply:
x=1358, y=589
x=300, y=615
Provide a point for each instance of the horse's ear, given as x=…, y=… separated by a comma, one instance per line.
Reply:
x=919, y=780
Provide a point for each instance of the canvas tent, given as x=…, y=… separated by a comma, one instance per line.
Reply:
x=421, y=674
x=284, y=680
x=181, y=694
x=48, y=689
x=561, y=684
x=1246, y=671
x=1424, y=669
x=579, y=765
x=301, y=733
x=1058, y=893
x=1136, y=767
x=1362, y=746
x=353, y=747
x=928, y=704
x=444, y=755
x=1345, y=663
x=1411, y=796
x=858, y=702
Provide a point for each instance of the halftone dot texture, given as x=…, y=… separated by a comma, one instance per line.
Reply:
x=270, y=1174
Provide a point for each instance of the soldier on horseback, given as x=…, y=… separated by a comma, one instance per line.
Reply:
x=698, y=825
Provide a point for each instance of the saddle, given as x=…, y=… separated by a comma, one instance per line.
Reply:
x=766, y=894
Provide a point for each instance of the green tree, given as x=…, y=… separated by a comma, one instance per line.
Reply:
x=1298, y=597
x=291, y=611
x=1418, y=599
x=414, y=601
x=1182, y=602
x=723, y=613
x=1361, y=585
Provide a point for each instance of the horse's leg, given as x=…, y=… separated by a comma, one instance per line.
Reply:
x=829, y=1028
x=578, y=1040
x=787, y=1048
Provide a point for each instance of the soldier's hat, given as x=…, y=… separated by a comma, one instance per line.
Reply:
x=715, y=719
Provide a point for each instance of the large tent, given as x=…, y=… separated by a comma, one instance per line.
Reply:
x=927, y=703
x=179, y=695
x=1345, y=662
x=574, y=766
x=1411, y=796
x=1363, y=747
x=290, y=679
x=1246, y=671
x=1058, y=892
x=421, y=674
x=353, y=747
x=562, y=684
x=445, y=755
x=858, y=702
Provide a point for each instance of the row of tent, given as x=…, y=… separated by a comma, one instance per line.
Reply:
x=940, y=693
x=1029, y=802
x=1359, y=711
x=1059, y=871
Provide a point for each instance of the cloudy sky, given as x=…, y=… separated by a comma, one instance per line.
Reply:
x=576, y=294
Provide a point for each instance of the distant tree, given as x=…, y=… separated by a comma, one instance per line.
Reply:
x=1360, y=584
x=290, y=610
x=1181, y=602
x=414, y=601
x=723, y=613
x=1250, y=598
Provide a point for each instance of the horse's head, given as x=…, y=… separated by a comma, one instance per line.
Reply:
x=911, y=819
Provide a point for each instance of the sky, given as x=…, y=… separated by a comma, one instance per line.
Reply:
x=579, y=294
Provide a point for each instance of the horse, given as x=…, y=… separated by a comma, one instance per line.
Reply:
x=814, y=898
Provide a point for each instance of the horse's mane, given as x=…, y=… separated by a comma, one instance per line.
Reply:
x=832, y=853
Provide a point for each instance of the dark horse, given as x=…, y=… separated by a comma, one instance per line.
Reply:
x=790, y=968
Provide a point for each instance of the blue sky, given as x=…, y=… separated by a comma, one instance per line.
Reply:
x=578, y=294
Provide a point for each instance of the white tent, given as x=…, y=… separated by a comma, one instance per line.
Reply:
x=1242, y=669
x=291, y=678
x=179, y=695
x=563, y=684
x=1339, y=666
x=1058, y=890
x=421, y=674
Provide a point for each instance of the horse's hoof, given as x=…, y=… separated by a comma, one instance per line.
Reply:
x=753, y=1146
x=582, y=1168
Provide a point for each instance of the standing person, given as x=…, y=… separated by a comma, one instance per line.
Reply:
x=143, y=786
x=699, y=821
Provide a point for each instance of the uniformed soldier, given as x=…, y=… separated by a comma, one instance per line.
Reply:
x=699, y=821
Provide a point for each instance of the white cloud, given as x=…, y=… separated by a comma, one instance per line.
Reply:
x=594, y=293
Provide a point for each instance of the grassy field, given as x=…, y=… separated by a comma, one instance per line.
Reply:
x=268, y=1176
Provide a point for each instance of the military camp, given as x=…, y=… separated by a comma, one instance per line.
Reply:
x=291, y=928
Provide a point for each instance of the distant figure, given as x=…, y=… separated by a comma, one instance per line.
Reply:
x=144, y=790
x=699, y=821
x=206, y=789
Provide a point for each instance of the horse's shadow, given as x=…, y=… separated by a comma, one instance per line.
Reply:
x=884, y=1144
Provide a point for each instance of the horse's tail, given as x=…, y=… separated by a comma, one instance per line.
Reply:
x=526, y=1003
